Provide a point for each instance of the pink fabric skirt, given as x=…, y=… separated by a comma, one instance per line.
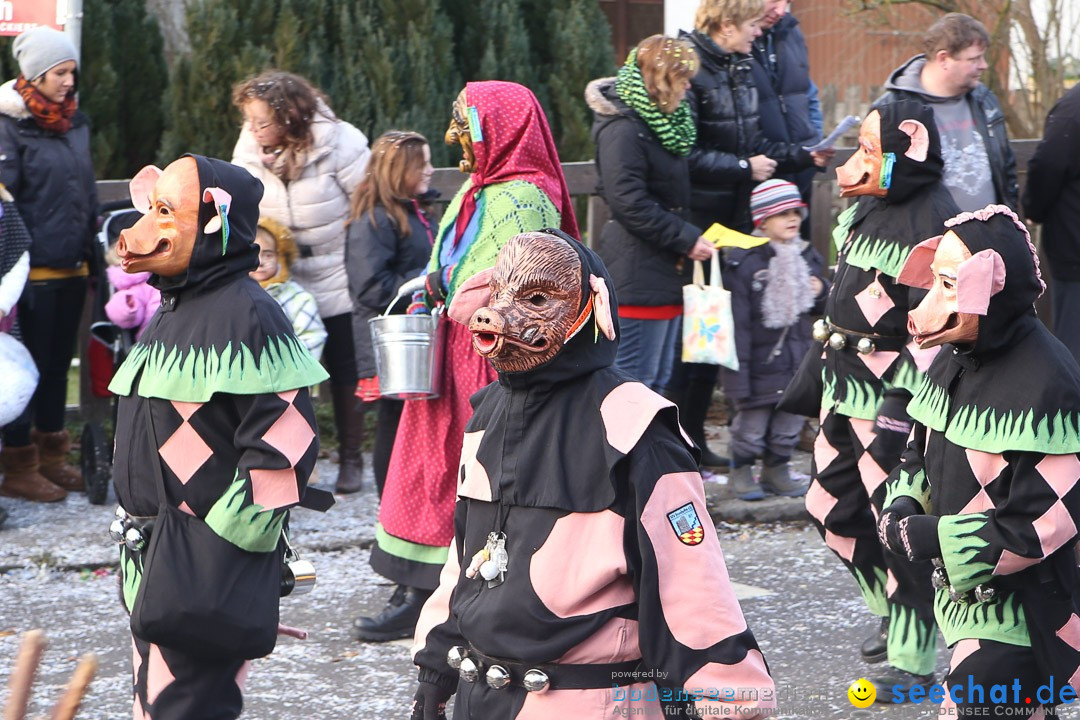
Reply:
x=418, y=500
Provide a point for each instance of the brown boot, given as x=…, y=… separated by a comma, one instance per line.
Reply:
x=349, y=419
x=21, y=476
x=53, y=449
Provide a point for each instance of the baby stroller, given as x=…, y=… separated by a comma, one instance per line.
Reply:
x=109, y=344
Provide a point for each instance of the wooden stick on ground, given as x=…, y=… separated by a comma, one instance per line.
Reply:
x=22, y=677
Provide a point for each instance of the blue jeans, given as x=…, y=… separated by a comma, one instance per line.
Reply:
x=647, y=349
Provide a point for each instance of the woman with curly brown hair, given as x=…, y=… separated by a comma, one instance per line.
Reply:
x=310, y=162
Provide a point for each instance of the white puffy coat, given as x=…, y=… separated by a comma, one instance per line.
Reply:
x=315, y=205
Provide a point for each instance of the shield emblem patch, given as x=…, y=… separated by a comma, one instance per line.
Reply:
x=686, y=524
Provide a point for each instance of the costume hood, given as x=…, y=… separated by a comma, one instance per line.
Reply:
x=909, y=175
x=230, y=249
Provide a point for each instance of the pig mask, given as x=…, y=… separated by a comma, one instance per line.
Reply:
x=965, y=271
x=538, y=296
x=899, y=151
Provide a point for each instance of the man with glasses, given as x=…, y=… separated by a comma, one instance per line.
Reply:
x=980, y=167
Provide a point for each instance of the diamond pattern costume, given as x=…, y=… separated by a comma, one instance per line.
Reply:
x=225, y=381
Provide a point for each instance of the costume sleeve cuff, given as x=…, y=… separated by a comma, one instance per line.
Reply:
x=961, y=548
x=446, y=682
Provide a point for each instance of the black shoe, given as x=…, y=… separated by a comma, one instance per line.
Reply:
x=710, y=459
x=875, y=648
x=893, y=676
x=396, y=621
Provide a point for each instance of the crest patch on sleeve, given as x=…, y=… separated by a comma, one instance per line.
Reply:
x=686, y=524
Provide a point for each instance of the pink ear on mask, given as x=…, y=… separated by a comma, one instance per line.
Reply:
x=473, y=294
x=602, y=306
x=219, y=198
x=978, y=279
x=920, y=139
x=141, y=187
x=916, y=271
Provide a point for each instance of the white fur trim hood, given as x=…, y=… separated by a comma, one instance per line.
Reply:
x=594, y=96
x=11, y=102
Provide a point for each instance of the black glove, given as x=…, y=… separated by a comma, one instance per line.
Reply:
x=432, y=693
x=893, y=416
x=905, y=533
x=434, y=286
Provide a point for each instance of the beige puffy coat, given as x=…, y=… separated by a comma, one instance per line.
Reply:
x=315, y=205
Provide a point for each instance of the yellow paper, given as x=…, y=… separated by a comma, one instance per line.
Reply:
x=721, y=236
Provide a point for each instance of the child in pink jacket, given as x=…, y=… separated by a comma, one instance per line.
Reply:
x=133, y=302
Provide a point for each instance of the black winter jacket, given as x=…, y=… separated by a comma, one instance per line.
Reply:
x=647, y=189
x=990, y=123
x=768, y=357
x=1052, y=194
x=378, y=261
x=784, y=95
x=724, y=101
x=51, y=177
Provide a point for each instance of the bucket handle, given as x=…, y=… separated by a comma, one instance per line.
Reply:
x=412, y=286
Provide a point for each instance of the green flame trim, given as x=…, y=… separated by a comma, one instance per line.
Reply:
x=843, y=227
x=248, y=526
x=873, y=590
x=1001, y=619
x=878, y=254
x=960, y=549
x=907, y=376
x=131, y=571
x=911, y=485
x=912, y=641
x=930, y=406
x=196, y=374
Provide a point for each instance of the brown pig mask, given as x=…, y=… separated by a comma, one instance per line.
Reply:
x=899, y=152
x=965, y=271
x=544, y=290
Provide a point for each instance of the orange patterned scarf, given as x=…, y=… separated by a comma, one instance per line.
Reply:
x=47, y=114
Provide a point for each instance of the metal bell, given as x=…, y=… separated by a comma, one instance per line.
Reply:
x=497, y=677
x=984, y=593
x=455, y=656
x=837, y=341
x=469, y=671
x=865, y=346
x=536, y=681
x=939, y=579
x=116, y=530
x=120, y=512
x=133, y=539
x=958, y=597
x=821, y=330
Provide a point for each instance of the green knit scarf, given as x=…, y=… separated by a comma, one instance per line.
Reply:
x=675, y=131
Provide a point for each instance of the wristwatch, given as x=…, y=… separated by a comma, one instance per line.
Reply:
x=743, y=164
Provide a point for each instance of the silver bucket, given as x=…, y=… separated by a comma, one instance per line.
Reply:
x=408, y=355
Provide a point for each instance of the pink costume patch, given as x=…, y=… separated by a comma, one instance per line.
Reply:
x=1070, y=632
x=979, y=278
x=571, y=583
x=274, y=489
x=916, y=271
x=1060, y=472
x=923, y=358
x=753, y=687
x=682, y=566
x=185, y=451
x=891, y=583
x=824, y=452
x=437, y=608
x=874, y=301
x=1055, y=527
x=627, y=412
x=242, y=675
x=158, y=674
x=864, y=431
x=985, y=467
x=184, y=507
x=879, y=361
x=819, y=502
x=615, y=641
x=290, y=434
x=474, y=482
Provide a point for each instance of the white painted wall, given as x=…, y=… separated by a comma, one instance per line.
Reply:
x=679, y=15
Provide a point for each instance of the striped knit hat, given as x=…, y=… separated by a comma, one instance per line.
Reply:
x=772, y=197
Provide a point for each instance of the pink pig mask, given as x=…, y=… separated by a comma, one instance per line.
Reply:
x=960, y=285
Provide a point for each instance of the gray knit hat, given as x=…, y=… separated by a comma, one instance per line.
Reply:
x=40, y=49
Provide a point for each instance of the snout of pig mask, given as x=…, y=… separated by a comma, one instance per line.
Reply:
x=982, y=275
x=539, y=295
x=899, y=152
